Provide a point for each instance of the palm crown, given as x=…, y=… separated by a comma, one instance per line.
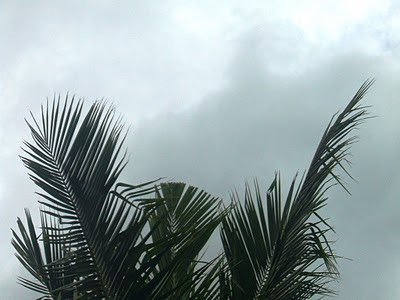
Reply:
x=104, y=239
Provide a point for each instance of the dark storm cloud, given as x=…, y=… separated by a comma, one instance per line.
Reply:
x=259, y=123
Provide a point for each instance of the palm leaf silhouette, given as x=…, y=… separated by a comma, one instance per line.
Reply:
x=104, y=239
x=279, y=249
x=92, y=227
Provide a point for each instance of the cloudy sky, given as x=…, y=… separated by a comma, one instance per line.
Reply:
x=216, y=93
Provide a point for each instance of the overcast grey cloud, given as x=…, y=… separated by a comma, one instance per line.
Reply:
x=214, y=95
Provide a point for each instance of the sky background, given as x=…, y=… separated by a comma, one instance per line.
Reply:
x=216, y=93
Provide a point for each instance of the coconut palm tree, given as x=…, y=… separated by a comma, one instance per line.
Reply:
x=104, y=239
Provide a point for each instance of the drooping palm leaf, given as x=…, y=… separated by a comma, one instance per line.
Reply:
x=279, y=250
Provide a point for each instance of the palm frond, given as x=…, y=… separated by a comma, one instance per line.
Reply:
x=30, y=255
x=91, y=225
x=76, y=167
x=188, y=216
x=280, y=250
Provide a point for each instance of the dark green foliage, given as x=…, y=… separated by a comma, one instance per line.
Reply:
x=102, y=239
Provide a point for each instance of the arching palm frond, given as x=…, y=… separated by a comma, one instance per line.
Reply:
x=279, y=250
x=91, y=227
